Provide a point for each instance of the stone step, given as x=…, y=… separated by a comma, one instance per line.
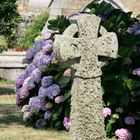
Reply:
x=12, y=59
x=11, y=64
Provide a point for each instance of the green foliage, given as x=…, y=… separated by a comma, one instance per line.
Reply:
x=9, y=19
x=33, y=31
x=3, y=43
x=59, y=24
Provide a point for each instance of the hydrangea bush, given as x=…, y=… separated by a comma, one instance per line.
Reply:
x=43, y=91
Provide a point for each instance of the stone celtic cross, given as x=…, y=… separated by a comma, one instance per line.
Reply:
x=86, y=112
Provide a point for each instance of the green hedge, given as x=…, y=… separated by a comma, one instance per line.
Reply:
x=33, y=31
x=9, y=19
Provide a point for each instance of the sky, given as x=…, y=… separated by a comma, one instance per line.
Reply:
x=40, y=3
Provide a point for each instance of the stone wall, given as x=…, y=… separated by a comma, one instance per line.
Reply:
x=11, y=65
x=67, y=7
x=133, y=5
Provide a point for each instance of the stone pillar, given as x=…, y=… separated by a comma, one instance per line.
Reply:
x=86, y=103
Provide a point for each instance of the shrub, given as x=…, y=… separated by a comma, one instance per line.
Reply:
x=9, y=19
x=120, y=80
x=33, y=31
x=3, y=43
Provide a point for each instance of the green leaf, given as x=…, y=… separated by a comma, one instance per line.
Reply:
x=64, y=81
x=67, y=112
x=112, y=99
x=125, y=99
x=67, y=95
x=58, y=125
x=108, y=127
x=56, y=114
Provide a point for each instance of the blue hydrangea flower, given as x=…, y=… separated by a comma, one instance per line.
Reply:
x=37, y=103
x=30, y=54
x=41, y=123
x=47, y=81
x=47, y=115
x=134, y=29
x=51, y=92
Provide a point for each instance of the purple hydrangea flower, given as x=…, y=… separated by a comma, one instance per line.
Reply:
x=48, y=48
x=67, y=123
x=47, y=81
x=37, y=74
x=30, y=54
x=29, y=83
x=47, y=115
x=26, y=116
x=38, y=46
x=103, y=18
x=106, y=112
x=44, y=62
x=30, y=67
x=45, y=59
x=136, y=72
x=41, y=123
x=123, y=134
x=36, y=102
x=23, y=94
x=47, y=35
x=129, y=120
x=59, y=99
x=20, y=80
x=45, y=42
x=37, y=57
x=18, y=101
x=51, y=92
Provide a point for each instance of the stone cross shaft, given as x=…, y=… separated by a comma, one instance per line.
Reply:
x=86, y=112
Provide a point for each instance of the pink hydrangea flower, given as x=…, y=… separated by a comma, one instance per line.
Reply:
x=106, y=112
x=67, y=123
x=123, y=134
x=136, y=72
x=68, y=73
x=59, y=99
x=129, y=120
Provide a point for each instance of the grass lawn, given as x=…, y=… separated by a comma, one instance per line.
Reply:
x=11, y=124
